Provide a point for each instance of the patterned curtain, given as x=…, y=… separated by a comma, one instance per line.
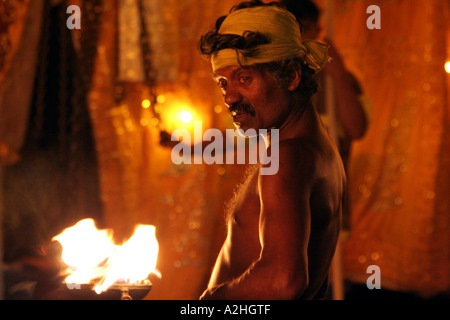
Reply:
x=139, y=182
x=139, y=67
x=19, y=38
x=45, y=120
x=400, y=172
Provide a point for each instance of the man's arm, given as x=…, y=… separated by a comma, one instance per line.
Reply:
x=281, y=271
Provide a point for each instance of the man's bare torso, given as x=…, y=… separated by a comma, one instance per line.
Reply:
x=242, y=245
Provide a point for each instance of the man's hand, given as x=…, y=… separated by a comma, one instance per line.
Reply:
x=206, y=295
x=211, y=293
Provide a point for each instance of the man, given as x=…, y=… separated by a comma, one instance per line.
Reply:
x=283, y=228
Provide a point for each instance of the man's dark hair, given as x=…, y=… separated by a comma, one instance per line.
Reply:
x=247, y=45
x=302, y=9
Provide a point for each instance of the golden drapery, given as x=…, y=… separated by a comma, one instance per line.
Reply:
x=399, y=173
x=19, y=34
x=139, y=182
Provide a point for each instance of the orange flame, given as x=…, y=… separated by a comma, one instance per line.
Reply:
x=92, y=257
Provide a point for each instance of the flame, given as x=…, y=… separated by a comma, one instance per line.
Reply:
x=93, y=257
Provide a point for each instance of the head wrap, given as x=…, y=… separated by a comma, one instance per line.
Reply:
x=281, y=29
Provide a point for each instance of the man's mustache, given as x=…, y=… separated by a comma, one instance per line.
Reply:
x=241, y=107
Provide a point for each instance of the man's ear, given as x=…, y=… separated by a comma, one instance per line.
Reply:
x=295, y=76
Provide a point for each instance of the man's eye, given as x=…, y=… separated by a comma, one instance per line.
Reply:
x=244, y=79
x=222, y=84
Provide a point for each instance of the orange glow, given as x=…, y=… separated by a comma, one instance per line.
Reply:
x=185, y=116
x=176, y=110
x=447, y=67
x=180, y=115
x=146, y=103
x=161, y=98
x=92, y=257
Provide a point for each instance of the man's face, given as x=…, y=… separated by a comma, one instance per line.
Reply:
x=253, y=98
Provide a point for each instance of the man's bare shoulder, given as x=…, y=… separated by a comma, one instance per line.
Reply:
x=297, y=155
x=304, y=161
x=297, y=165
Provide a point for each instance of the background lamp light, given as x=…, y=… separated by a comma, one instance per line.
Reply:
x=447, y=66
x=185, y=116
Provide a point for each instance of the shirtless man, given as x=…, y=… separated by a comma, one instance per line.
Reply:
x=283, y=228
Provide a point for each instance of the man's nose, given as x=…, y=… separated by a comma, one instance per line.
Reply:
x=232, y=96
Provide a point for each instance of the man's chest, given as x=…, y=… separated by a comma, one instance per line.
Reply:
x=244, y=209
x=243, y=243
